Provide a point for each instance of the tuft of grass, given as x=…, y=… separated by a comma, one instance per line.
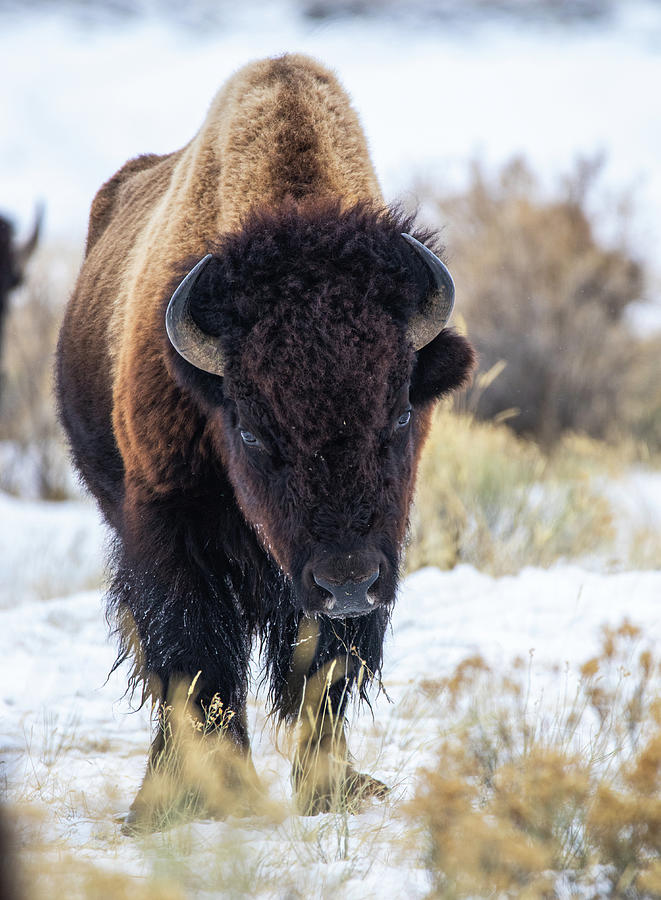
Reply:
x=526, y=794
x=491, y=499
x=197, y=767
x=199, y=849
x=323, y=775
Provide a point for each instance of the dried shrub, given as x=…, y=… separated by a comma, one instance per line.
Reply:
x=642, y=415
x=526, y=797
x=491, y=499
x=543, y=291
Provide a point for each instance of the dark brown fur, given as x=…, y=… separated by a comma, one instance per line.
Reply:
x=11, y=273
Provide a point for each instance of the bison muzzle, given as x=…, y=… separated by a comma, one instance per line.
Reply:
x=246, y=372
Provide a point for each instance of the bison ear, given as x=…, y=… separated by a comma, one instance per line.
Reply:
x=443, y=365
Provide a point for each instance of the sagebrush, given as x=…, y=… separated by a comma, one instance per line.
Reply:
x=545, y=290
x=534, y=794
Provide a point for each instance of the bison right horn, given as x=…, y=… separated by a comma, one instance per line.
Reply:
x=200, y=349
x=426, y=324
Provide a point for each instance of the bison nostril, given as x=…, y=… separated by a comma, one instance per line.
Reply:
x=323, y=583
x=369, y=580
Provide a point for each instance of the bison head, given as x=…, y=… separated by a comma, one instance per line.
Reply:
x=315, y=340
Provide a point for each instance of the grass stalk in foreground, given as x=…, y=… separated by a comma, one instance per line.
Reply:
x=522, y=800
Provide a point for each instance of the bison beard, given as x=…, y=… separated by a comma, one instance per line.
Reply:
x=257, y=467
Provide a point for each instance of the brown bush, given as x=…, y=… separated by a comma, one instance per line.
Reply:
x=643, y=410
x=526, y=797
x=541, y=290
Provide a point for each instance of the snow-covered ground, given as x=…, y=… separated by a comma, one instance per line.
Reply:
x=47, y=549
x=70, y=739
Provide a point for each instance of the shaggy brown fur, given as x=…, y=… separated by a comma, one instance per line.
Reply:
x=231, y=495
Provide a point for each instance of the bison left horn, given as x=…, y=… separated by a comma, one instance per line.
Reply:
x=200, y=349
x=430, y=321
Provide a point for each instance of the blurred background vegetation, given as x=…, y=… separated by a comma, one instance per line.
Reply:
x=217, y=13
x=547, y=299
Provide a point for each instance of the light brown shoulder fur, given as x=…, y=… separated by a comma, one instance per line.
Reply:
x=278, y=128
x=103, y=204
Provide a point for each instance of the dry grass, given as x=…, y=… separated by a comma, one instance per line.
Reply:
x=491, y=499
x=71, y=842
x=535, y=793
x=526, y=796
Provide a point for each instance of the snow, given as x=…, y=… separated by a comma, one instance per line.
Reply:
x=556, y=613
x=47, y=548
x=68, y=728
x=637, y=498
x=429, y=98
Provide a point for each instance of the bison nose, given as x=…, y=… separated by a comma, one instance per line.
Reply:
x=349, y=598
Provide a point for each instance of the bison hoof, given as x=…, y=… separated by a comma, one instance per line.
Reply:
x=347, y=794
x=161, y=804
x=146, y=817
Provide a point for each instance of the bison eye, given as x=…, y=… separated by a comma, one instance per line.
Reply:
x=404, y=419
x=249, y=438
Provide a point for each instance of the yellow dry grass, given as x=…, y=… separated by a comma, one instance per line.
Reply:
x=525, y=794
x=494, y=500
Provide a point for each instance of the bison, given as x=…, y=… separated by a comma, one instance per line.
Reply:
x=246, y=372
x=13, y=259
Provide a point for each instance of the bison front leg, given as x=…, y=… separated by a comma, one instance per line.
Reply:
x=180, y=620
x=325, y=669
x=197, y=767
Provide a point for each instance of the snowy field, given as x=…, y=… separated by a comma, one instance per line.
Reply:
x=71, y=744
x=84, y=99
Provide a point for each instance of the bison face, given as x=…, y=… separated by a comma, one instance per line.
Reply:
x=321, y=449
x=324, y=400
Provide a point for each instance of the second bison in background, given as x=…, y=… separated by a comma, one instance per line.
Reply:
x=251, y=429
x=13, y=260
